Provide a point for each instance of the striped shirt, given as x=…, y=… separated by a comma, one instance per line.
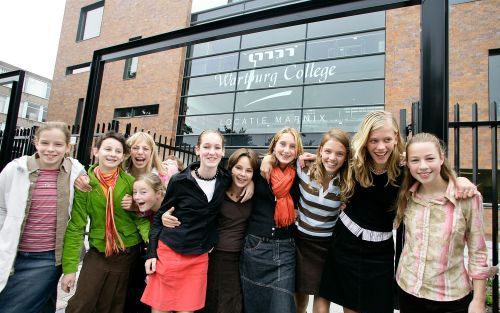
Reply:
x=436, y=231
x=318, y=208
x=39, y=233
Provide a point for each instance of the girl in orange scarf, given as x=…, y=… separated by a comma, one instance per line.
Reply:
x=268, y=258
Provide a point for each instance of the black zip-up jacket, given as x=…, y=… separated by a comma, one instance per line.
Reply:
x=197, y=233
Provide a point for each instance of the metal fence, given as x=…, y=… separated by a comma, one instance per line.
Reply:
x=23, y=142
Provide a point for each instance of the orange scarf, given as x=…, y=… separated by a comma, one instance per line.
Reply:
x=281, y=183
x=107, y=181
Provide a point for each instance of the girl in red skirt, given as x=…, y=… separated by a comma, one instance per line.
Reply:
x=177, y=258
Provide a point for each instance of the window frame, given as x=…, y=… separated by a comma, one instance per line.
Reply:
x=83, y=20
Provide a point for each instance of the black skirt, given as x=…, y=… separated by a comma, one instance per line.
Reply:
x=358, y=274
x=311, y=254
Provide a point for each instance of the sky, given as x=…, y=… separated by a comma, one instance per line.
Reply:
x=30, y=29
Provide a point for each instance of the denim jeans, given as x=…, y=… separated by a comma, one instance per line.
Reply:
x=34, y=280
x=267, y=269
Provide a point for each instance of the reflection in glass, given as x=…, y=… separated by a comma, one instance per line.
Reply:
x=351, y=45
x=209, y=104
x=194, y=125
x=348, y=119
x=345, y=69
x=269, y=56
x=271, y=77
x=273, y=36
x=216, y=46
x=344, y=94
x=347, y=24
x=282, y=98
x=220, y=63
x=211, y=84
x=265, y=122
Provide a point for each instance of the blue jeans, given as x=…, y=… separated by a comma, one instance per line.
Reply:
x=267, y=270
x=34, y=280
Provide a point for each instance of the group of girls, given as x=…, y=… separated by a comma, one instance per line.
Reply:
x=324, y=229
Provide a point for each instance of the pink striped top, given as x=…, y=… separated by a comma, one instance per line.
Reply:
x=39, y=233
x=436, y=231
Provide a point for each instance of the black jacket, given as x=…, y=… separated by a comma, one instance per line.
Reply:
x=261, y=222
x=197, y=233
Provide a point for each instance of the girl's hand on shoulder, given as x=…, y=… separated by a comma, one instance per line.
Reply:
x=82, y=183
x=306, y=157
x=150, y=266
x=68, y=282
x=477, y=306
x=168, y=220
x=266, y=166
x=247, y=192
x=465, y=188
x=127, y=202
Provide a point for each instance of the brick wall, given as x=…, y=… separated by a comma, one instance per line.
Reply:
x=158, y=78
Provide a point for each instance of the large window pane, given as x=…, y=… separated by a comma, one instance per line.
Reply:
x=351, y=45
x=347, y=24
x=209, y=104
x=220, y=63
x=215, y=47
x=37, y=88
x=348, y=119
x=194, y=125
x=265, y=122
x=344, y=94
x=272, y=55
x=271, y=77
x=286, y=98
x=92, y=27
x=211, y=84
x=273, y=36
x=345, y=69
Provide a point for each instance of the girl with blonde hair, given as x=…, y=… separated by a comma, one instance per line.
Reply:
x=359, y=270
x=144, y=157
x=268, y=258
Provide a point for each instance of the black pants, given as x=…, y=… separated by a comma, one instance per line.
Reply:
x=410, y=304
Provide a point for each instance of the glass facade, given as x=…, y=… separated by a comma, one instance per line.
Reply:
x=312, y=77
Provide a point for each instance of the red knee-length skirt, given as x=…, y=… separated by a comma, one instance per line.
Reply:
x=179, y=283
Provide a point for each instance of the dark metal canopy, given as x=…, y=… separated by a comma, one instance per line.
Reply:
x=434, y=76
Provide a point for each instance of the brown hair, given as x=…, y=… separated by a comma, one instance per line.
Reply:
x=153, y=181
x=243, y=152
x=296, y=136
x=318, y=171
x=209, y=131
x=114, y=135
x=447, y=172
x=63, y=127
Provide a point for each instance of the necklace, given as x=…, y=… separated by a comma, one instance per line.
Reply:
x=204, y=178
x=377, y=172
x=330, y=175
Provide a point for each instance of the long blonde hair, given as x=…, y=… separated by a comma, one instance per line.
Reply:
x=299, y=148
x=154, y=161
x=359, y=166
x=318, y=171
x=447, y=173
